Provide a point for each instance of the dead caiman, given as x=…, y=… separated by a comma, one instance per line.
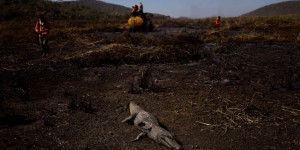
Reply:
x=149, y=125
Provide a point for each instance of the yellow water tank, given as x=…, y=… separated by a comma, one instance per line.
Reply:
x=135, y=22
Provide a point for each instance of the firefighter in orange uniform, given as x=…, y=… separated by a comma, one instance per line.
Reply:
x=42, y=28
x=218, y=23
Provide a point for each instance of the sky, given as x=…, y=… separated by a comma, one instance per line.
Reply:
x=197, y=8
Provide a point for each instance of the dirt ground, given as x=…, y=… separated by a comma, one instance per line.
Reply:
x=243, y=96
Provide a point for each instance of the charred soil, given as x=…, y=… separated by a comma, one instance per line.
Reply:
x=211, y=94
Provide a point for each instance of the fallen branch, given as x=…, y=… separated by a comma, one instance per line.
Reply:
x=207, y=124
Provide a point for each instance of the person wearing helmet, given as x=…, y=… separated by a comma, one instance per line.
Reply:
x=42, y=28
x=133, y=11
x=218, y=22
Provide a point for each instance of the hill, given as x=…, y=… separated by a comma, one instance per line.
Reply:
x=28, y=9
x=104, y=7
x=72, y=10
x=283, y=8
x=109, y=8
x=82, y=9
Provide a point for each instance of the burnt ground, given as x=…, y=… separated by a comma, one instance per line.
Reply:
x=243, y=96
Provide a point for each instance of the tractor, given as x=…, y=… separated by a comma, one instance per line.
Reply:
x=142, y=23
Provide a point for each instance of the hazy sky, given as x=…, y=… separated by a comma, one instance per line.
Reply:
x=197, y=8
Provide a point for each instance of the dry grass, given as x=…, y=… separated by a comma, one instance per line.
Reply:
x=262, y=23
x=123, y=47
x=246, y=29
x=117, y=54
x=84, y=27
x=254, y=37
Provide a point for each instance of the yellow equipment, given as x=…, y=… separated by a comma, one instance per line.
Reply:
x=135, y=21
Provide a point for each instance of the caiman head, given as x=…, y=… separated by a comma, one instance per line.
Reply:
x=166, y=138
x=169, y=141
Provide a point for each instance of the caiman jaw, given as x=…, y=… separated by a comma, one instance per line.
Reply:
x=169, y=142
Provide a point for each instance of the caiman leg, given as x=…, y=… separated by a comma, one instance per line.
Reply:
x=139, y=136
x=129, y=118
